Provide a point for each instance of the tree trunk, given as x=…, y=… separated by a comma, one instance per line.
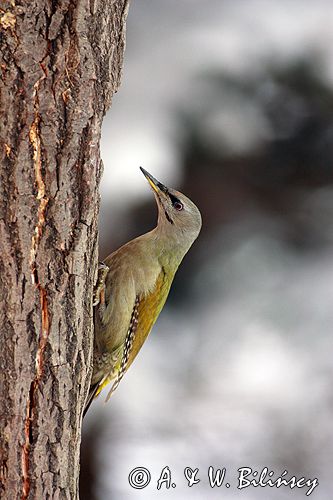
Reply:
x=60, y=63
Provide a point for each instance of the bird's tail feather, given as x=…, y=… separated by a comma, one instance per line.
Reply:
x=92, y=393
x=94, y=390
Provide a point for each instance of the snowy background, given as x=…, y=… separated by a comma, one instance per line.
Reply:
x=230, y=102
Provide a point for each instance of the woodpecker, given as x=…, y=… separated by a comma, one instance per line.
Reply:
x=133, y=285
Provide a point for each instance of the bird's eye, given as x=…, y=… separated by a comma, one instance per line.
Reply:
x=178, y=206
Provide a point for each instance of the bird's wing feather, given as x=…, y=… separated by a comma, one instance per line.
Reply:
x=146, y=309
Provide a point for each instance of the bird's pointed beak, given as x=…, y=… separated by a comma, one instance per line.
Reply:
x=154, y=183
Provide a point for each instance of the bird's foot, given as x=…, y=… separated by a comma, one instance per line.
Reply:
x=99, y=292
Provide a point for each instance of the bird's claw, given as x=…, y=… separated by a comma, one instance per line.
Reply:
x=99, y=292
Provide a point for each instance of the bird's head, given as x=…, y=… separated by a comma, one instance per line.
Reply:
x=178, y=217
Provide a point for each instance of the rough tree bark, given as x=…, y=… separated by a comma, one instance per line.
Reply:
x=60, y=63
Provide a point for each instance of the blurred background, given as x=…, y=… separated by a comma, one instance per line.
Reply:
x=230, y=102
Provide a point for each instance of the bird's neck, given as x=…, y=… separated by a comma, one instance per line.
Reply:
x=170, y=246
